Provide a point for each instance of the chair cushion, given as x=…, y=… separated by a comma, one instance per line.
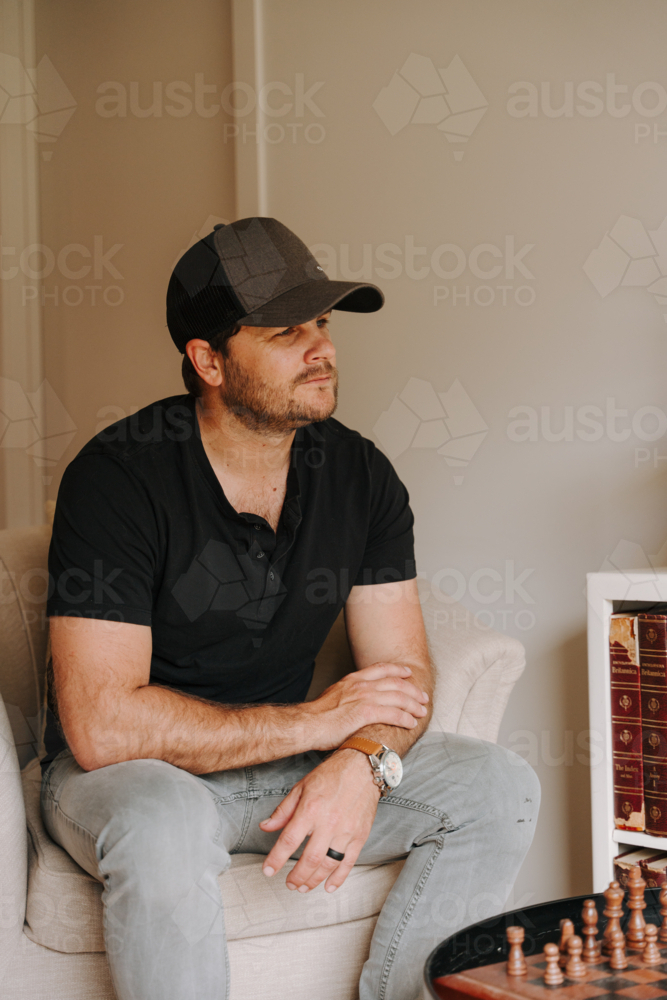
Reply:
x=64, y=908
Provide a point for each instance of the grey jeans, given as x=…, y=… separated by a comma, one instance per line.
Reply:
x=157, y=836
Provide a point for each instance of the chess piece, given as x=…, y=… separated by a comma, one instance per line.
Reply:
x=589, y=915
x=566, y=932
x=516, y=963
x=575, y=968
x=617, y=959
x=613, y=911
x=651, y=953
x=553, y=975
x=662, y=899
x=635, y=935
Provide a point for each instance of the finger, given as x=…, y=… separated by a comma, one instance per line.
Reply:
x=377, y=670
x=398, y=684
x=398, y=699
x=338, y=876
x=390, y=715
x=408, y=696
x=283, y=811
x=334, y=874
x=287, y=843
x=314, y=865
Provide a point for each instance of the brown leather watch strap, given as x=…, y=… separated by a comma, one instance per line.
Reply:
x=360, y=743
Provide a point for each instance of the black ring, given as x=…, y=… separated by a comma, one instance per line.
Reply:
x=336, y=855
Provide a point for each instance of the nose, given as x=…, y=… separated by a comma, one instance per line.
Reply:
x=320, y=347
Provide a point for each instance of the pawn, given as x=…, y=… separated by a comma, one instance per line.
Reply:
x=566, y=932
x=516, y=963
x=662, y=899
x=553, y=975
x=613, y=911
x=617, y=959
x=651, y=953
x=575, y=968
x=589, y=916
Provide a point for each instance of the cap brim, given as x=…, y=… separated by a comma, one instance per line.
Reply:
x=312, y=299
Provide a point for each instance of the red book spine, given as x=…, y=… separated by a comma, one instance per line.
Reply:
x=626, y=723
x=653, y=672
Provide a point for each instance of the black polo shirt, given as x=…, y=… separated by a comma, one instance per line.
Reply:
x=143, y=533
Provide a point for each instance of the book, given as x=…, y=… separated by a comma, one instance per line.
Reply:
x=626, y=723
x=652, y=630
x=654, y=871
x=624, y=863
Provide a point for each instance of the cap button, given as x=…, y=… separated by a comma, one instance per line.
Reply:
x=219, y=225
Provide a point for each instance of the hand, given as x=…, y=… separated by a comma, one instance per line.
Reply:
x=334, y=805
x=379, y=694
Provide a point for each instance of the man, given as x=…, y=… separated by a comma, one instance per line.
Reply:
x=201, y=551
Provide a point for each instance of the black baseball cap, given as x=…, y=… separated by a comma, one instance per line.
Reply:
x=254, y=271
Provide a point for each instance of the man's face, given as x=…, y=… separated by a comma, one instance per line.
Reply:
x=276, y=379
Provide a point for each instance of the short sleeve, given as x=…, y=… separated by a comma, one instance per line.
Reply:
x=103, y=553
x=390, y=549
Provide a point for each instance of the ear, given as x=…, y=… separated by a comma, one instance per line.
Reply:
x=204, y=361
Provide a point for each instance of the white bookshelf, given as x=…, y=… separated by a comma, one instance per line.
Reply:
x=605, y=591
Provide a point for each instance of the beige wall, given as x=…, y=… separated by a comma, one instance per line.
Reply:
x=543, y=511
x=516, y=528
x=146, y=184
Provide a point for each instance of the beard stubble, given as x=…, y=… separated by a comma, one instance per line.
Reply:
x=273, y=409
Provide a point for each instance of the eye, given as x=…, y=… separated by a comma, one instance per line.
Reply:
x=323, y=322
x=285, y=333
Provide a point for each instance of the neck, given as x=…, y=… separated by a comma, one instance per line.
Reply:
x=238, y=449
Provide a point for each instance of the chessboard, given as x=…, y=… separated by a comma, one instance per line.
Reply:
x=491, y=982
x=630, y=965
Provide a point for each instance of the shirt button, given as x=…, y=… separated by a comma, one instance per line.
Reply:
x=260, y=555
x=256, y=527
x=271, y=575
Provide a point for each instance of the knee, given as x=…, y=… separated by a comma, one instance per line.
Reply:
x=159, y=815
x=511, y=788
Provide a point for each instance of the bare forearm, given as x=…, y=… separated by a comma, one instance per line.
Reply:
x=196, y=735
x=111, y=713
x=385, y=623
x=396, y=737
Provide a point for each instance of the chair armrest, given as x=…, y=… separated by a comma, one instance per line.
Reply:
x=476, y=669
x=13, y=846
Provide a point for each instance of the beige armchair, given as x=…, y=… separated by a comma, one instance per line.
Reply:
x=281, y=944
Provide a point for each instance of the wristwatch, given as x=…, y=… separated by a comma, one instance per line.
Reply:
x=385, y=763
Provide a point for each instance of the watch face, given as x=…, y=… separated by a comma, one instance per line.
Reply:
x=392, y=768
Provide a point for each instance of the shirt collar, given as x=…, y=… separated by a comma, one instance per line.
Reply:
x=291, y=513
